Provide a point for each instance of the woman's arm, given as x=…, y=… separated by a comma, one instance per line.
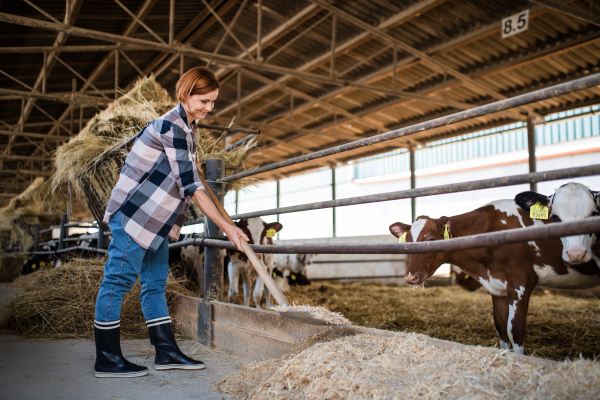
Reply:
x=208, y=208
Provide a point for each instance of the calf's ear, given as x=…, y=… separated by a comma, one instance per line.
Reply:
x=596, y=196
x=274, y=225
x=441, y=225
x=527, y=199
x=398, y=229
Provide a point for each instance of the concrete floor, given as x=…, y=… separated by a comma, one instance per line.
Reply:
x=64, y=369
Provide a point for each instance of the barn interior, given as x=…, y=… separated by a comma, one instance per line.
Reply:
x=311, y=75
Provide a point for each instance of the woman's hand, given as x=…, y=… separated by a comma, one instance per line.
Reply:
x=233, y=234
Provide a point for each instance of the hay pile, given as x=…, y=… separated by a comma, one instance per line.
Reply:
x=406, y=366
x=38, y=204
x=558, y=327
x=10, y=266
x=83, y=161
x=60, y=303
x=317, y=312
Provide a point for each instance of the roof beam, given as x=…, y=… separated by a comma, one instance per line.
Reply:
x=67, y=49
x=568, y=10
x=76, y=98
x=33, y=135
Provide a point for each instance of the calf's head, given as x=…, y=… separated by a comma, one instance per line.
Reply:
x=571, y=202
x=258, y=231
x=422, y=266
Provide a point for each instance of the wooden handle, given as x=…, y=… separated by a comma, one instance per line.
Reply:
x=258, y=265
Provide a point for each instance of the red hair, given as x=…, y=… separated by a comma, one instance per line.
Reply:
x=198, y=80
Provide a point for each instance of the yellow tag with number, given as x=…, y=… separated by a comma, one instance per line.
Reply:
x=271, y=232
x=538, y=211
x=402, y=239
x=446, y=234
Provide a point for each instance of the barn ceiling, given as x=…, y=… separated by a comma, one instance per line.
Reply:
x=323, y=73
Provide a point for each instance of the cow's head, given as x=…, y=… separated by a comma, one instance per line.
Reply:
x=570, y=202
x=256, y=229
x=304, y=260
x=422, y=266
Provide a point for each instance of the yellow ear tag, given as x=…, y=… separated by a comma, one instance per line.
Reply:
x=467, y=276
x=42, y=264
x=446, y=234
x=538, y=211
x=293, y=277
x=402, y=239
x=271, y=232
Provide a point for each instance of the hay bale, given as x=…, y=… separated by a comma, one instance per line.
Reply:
x=60, y=303
x=38, y=204
x=406, y=366
x=558, y=327
x=10, y=266
x=83, y=160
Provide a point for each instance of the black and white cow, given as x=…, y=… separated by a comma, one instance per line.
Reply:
x=188, y=261
x=293, y=267
x=571, y=202
x=239, y=265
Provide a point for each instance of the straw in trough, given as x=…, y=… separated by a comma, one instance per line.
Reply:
x=317, y=312
x=38, y=204
x=60, y=303
x=558, y=326
x=407, y=366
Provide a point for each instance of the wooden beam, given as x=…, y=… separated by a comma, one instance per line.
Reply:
x=570, y=11
x=32, y=135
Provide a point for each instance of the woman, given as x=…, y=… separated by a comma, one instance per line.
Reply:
x=150, y=202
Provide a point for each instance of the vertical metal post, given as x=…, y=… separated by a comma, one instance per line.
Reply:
x=101, y=237
x=333, y=39
x=116, y=74
x=413, y=181
x=181, y=62
x=278, y=200
x=333, y=197
x=44, y=72
x=36, y=237
x=394, y=66
x=72, y=107
x=172, y=22
x=259, y=32
x=531, y=149
x=239, y=95
x=63, y=231
x=213, y=257
x=237, y=199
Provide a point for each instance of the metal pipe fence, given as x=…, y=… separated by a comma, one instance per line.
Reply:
x=509, y=236
x=502, y=105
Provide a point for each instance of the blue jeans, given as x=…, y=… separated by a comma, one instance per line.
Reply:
x=126, y=261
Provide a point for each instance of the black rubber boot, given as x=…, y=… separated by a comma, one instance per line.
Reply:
x=110, y=362
x=168, y=355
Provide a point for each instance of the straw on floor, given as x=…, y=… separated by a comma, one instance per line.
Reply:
x=406, y=366
x=60, y=303
x=558, y=326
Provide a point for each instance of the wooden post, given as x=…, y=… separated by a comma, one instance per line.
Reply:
x=80, y=118
x=213, y=257
x=259, y=32
x=531, y=150
x=172, y=22
x=333, y=40
x=413, y=201
x=44, y=72
x=116, y=74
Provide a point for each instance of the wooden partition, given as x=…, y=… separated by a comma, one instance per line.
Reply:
x=257, y=335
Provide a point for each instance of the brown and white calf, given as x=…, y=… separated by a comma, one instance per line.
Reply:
x=239, y=265
x=508, y=272
x=293, y=267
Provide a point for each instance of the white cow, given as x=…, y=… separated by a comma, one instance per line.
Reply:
x=294, y=263
x=239, y=265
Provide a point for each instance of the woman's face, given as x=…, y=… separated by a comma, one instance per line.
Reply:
x=198, y=105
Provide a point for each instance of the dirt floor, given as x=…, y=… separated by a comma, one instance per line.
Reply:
x=558, y=326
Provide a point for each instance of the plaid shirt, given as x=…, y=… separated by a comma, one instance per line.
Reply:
x=157, y=181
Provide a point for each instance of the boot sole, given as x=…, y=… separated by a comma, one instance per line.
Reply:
x=120, y=374
x=177, y=366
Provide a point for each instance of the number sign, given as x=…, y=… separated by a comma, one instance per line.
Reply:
x=515, y=23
